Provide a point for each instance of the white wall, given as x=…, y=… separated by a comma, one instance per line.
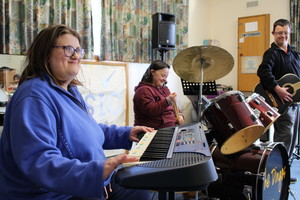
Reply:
x=199, y=21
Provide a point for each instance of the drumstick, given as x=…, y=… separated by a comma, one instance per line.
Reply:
x=176, y=111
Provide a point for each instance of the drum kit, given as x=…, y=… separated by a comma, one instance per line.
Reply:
x=235, y=123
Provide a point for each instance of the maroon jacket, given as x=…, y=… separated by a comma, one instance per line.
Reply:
x=151, y=107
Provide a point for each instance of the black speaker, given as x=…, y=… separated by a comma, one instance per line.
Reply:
x=163, y=31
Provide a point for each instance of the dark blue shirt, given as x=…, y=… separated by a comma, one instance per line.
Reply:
x=276, y=63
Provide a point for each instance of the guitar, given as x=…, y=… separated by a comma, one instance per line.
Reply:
x=292, y=82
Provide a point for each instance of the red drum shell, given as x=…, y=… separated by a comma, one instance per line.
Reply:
x=267, y=115
x=235, y=123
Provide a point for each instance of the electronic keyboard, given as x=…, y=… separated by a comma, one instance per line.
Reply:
x=175, y=159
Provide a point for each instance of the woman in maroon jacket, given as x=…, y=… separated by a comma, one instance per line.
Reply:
x=153, y=102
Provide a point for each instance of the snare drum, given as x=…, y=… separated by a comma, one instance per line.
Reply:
x=236, y=124
x=259, y=172
x=267, y=115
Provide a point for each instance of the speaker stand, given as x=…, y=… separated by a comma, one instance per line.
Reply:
x=163, y=54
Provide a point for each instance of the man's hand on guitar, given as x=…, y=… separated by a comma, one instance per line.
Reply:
x=283, y=94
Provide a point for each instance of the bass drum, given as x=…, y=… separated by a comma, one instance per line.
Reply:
x=258, y=172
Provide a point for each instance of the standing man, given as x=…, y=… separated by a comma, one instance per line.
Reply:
x=279, y=60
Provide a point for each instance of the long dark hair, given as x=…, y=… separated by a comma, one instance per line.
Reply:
x=38, y=54
x=155, y=65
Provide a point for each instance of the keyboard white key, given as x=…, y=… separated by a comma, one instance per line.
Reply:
x=142, y=145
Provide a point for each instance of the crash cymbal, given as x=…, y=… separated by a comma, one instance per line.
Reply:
x=215, y=61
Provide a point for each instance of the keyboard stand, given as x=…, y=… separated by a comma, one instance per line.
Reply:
x=163, y=195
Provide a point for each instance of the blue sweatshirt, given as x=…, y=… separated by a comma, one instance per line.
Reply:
x=51, y=147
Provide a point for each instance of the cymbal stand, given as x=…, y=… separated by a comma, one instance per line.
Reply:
x=201, y=61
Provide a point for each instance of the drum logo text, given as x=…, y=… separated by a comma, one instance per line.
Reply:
x=274, y=177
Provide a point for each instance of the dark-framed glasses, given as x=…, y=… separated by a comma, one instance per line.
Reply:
x=70, y=51
x=282, y=33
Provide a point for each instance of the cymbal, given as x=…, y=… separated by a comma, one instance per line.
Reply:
x=215, y=62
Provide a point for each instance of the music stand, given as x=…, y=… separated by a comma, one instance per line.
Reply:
x=192, y=88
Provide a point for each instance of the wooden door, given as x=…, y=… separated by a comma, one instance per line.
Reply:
x=253, y=41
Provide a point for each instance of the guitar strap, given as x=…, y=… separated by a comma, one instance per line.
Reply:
x=272, y=98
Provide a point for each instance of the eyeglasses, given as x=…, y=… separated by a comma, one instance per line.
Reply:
x=70, y=51
x=282, y=33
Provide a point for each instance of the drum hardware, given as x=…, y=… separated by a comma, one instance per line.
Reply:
x=253, y=117
x=256, y=112
x=247, y=191
x=240, y=98
x=270, y=113
x=252, y=174
x=217, y=106
x=256, y=101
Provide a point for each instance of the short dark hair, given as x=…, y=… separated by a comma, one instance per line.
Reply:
x=281, y=22
x=155, y=65
x=37, y=59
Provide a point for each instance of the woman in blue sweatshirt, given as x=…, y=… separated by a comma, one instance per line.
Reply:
x=51, y=147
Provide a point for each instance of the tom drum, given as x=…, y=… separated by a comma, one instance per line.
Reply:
x=234, y=121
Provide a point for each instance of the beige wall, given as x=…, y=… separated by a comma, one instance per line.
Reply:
x=217, y=19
